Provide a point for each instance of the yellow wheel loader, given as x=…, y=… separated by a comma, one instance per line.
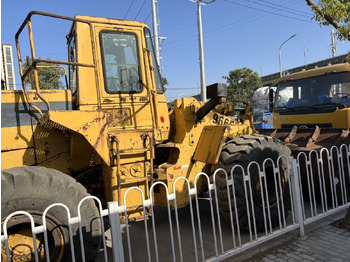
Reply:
x=110, y=130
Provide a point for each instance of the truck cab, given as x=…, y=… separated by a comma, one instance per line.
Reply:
x=319, y=96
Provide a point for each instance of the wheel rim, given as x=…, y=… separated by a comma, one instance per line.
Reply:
x=20, y=240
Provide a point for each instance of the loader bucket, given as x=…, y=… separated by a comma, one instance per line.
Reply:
x=305, y=140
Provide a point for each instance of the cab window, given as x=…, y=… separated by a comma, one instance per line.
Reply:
x=120, y=62
x=157, y=76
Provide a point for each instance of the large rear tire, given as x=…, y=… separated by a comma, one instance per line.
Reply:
x=33, y=189
x=241, y=151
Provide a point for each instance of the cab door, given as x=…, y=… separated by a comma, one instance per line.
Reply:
x=132, y=92
x=125, y=88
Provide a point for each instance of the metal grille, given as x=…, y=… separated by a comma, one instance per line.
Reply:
x=313, y=186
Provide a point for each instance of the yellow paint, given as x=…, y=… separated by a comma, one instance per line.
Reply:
x=340, y=118
x=21, y=247
x=21, y=157
x=209, y=152
x=185, y=142
x=121, y=131
x=14, y=138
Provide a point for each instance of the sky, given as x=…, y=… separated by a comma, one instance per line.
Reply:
x=236, y=34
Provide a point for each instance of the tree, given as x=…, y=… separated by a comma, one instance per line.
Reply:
x=335, y=13
x=49, y=75
x=164, y=81
x=241, y=85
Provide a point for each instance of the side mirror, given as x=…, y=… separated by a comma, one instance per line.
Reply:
x=271, y=96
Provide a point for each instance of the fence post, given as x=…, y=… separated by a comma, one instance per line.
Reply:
x=297, y=198
x=116, y=234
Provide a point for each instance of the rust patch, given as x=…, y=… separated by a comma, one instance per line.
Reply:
x=87, y=125
x=344, y=134
x=314, y=136
x=291, y=135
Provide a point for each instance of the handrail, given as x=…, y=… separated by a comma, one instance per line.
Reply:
x=33, y=66
x=60, y=67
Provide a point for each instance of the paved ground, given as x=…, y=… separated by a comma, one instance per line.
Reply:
x=324, y=242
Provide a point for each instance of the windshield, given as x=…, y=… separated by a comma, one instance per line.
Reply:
x=314, y=92
x=121, y=63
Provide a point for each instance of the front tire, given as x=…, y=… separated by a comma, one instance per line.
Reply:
x=33, y=189
x=241, y=151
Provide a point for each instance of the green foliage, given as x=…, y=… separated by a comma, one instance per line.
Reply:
x=241, y=85
x=335, y=13
x=164, y=81
x=49, y=75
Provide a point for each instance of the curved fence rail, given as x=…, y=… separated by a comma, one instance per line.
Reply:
x=242, y=208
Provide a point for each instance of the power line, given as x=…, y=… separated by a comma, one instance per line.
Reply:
x=233, y=25
x=288, y=8
x=129, y=8
x=269, y=12
x=194, y=25
x=280, y=9
x=236, y=25
x=140, y=9
x=226, y=13
x=149, y=14
x=215, y=30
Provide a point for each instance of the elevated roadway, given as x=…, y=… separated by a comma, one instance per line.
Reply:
x=270, y=80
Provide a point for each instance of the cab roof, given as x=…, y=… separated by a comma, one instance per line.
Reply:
x=113, y=21
x=337, y=68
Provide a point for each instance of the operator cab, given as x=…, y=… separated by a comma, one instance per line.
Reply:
x=126, y=82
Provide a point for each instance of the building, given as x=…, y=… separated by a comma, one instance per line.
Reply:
x=7, y=68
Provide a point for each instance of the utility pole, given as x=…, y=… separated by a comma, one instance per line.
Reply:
x=334, y=44
x=305, y=49
x=156, y=37
x=155, y=29
x=201, y=49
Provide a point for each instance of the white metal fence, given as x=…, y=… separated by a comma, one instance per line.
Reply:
x=312, y=187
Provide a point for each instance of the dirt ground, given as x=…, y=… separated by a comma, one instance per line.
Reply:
x=343, y=223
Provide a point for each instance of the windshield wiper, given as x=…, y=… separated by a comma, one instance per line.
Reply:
x=331, y=104
x=295, y=108
x=283, y=109
x=304, y=107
